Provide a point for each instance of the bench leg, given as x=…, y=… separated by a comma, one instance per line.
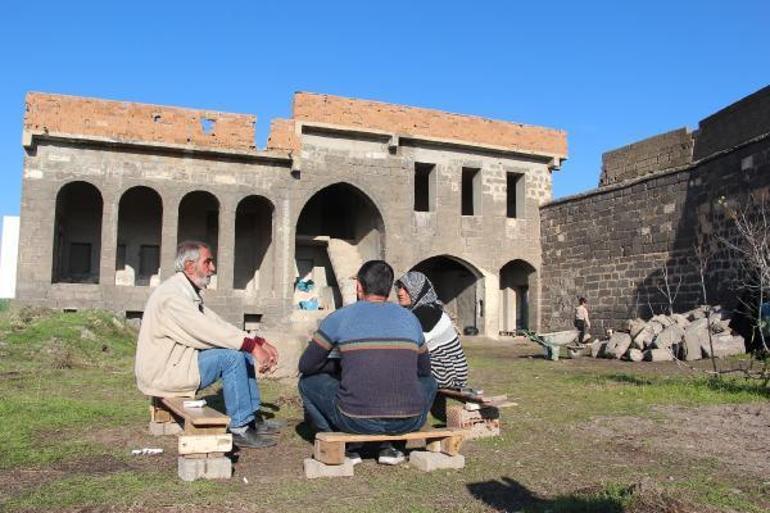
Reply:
x=451, y=445
x=429, y=461
x=330, y=453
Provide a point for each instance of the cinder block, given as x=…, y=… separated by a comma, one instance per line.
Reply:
x=429, y=461
x=165, y=428
x=190, y=469
x=314, y=469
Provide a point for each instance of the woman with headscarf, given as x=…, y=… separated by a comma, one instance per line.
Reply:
x=447, y=359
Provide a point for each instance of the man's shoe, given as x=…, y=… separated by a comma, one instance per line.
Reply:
x=390, y=456
x=265, y=426
x=352, y=452
x=253, y=439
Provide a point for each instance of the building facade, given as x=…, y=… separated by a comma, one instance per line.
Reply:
x=110, y=188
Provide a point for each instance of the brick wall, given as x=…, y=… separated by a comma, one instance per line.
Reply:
x=283, y=135
x=136, y=122
x=664, y=151
x=427, y=123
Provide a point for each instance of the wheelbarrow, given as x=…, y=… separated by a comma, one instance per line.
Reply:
x=553, y=342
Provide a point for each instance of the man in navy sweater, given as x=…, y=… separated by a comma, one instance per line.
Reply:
x=386, y=385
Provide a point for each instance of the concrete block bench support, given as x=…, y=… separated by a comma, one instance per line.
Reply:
x=203, y=437
x=329, y=450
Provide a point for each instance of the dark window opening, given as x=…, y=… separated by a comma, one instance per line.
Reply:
x=80, y=259
x=424, y=191
x=515, y=196
x=470, y=191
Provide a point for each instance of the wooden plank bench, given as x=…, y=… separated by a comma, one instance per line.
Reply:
x=478, y=414
x=329, y=451
x=203, y=437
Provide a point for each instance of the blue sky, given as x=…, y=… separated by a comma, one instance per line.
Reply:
x=609, y=73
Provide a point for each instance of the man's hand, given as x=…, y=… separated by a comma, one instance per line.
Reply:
x=266, y=356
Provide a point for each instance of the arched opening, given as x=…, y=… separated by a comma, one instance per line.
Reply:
x=77, y=234
x=516, y=280
x=199, y=220
x=338, y=229
x=140, y=220
x=459, y=286
x=253, y=237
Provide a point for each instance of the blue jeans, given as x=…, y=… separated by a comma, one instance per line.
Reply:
x=239, y=383
x=319, y=395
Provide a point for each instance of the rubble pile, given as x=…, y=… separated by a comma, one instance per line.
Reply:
x=665, y=337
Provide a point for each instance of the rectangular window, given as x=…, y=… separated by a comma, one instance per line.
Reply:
x=251, y=321
x=424, y=187
x=515, y=195
x=470, y=190
x=149, y=260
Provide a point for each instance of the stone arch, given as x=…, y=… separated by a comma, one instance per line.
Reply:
x=199, y=220
x=140, y=224
x=253, y=242
x=459, y=285
x=518, y=285
x=338, y=229
x=77, y=234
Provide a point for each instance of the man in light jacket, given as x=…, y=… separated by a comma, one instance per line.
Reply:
x=184, y=346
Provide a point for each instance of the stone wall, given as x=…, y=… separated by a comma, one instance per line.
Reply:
x=657, y=153
x=612, y=244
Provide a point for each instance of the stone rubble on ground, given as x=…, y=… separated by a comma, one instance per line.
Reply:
x=688, y=336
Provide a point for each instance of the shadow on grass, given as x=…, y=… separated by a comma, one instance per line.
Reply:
x=509, y=495
x=738, y=386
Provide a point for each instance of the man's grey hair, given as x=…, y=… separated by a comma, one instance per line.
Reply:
x=188, y=251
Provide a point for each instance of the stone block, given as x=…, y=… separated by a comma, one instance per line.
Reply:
x=695, y=336
x=635, y=326
x=644, y=338
x=634, y=355
x=314, y=469
x=658, y=355
x=165, y=428
x=190, y=469
x=429, y=461
x=598, y=347
x=617, y=345
x=724, y=345
x=681, y=320
x=668, y=337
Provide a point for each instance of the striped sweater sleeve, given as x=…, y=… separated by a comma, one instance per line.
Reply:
x=314, y=358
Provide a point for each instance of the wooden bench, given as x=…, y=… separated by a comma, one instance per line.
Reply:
x=203, y=437
x=442, y=451
x=478, y=414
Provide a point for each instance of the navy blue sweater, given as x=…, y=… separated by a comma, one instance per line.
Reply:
x=382, y=353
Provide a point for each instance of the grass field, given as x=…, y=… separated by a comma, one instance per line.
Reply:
x=586, y=436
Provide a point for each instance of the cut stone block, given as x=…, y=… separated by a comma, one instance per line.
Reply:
x=597, y=348
x=725, y=345
x=635, y=326
x=658, y=355
x=695, y=336
x=634, y=355
x=668, y=337
x=656, y=326
x=314, y=469
x=190, y=469
x=617, y=345
x=429, y=461
x=681, y=320
x=644, y=338
x=165, y=428
x=663, y=320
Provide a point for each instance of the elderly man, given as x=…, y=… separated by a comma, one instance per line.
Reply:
x=386, y=385
x=184, y=346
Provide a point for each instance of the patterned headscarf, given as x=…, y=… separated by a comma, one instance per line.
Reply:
x=420, y=290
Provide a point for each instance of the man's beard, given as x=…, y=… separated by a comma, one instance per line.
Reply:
x=201, y=281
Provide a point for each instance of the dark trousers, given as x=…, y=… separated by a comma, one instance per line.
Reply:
x=581, y=326
x=319, y=395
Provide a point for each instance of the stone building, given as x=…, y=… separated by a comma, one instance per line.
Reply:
x=110, y=187
x=655, y=198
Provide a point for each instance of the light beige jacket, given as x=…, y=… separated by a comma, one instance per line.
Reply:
x=173, y=330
